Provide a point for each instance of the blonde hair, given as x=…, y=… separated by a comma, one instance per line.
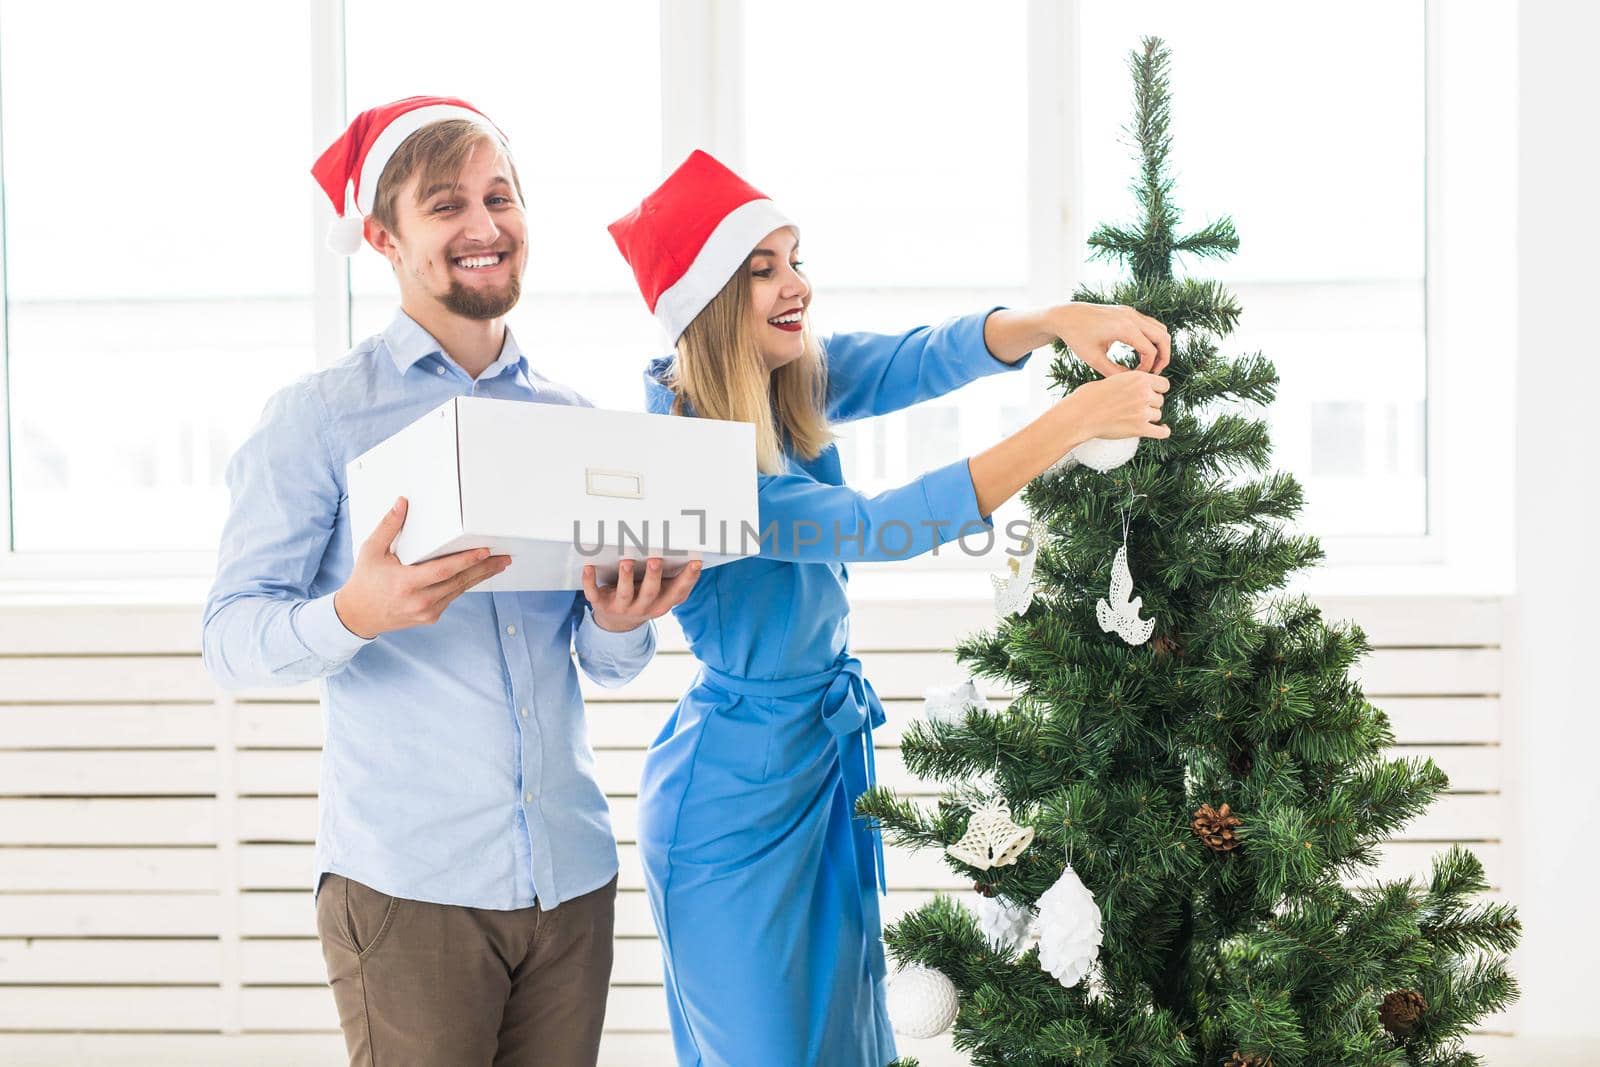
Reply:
x=719, y=372
x=439, y=151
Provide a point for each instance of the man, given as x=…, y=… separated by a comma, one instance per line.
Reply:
x=465, y=866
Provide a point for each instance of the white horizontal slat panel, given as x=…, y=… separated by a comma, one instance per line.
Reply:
x=108, y=870
x=277, y=819
x=875, y=624
x=326, y=1049
x=1418, y=622
x=1470, y=768
x=294, y=819
x=110, y=915
x=633, y=724
x=289, y=866
x=318, y=1049
x=1468, y=817
x=111, y=1008
x=1429, y=672
x=263, y=1008
x=296, y=724
x=904, y=675
x=278, y=914
x=108, y=725
x=96, y=773
x=266, y=772
x=291, y=914
x=135, y=686
x=103, y=821
x=154, y=679
x=175, y=1050
x=148, y=962
x=128, y=627
x=667, y=677
x=1443, y=720
x=298, y=961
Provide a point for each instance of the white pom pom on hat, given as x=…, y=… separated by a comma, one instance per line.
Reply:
x=349, y=169
x=346, y=233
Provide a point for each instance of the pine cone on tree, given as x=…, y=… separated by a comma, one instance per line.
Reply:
x=1162, y=645
x=982, y=889
x=1247, y=1059
x=1215, y=827
x=1401, y=1011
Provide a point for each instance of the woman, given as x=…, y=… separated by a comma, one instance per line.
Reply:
x=763, y=886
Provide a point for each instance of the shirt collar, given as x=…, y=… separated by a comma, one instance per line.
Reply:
x=409, y=343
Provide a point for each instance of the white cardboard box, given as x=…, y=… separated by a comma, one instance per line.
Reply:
x=557, y=487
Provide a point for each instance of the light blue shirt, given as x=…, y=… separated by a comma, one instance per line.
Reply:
x=456, y=765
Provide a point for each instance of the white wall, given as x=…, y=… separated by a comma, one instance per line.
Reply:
x=1557, y=511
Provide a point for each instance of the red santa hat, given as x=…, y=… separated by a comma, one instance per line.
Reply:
x=356, y=160
x=685, y=240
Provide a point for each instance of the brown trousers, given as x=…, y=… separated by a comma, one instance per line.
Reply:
x=440, y=985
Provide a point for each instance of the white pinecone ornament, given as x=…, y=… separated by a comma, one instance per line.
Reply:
x=1069, y=929
x=1006, y=926
x=921, y=1001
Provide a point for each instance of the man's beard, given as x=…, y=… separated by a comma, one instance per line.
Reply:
x=483, y=303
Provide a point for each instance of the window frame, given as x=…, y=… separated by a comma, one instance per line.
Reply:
x=1470, y=117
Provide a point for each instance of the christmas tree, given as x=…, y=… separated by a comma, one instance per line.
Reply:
x=1219, y=783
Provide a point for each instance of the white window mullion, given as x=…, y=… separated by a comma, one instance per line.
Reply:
x=331, y=272
x=702, y=80
x=6, y=557
x=1055, y=168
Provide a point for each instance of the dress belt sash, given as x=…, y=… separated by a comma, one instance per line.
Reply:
x=850, y=709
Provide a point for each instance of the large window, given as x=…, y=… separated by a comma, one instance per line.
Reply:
x=1322, y=170
x=163, y=271
x=909, y=180
x=157, y=278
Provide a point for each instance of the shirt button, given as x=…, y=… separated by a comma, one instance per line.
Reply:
x=523, y=712
x=527, y=798
x=512, y=630
x=438, y=370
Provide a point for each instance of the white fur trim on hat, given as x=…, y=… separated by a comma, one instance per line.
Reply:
x=394, y=135
x=729, y=245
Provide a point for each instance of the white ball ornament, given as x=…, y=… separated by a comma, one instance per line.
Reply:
x=1102, y=454
x=1069, y=929
x=951, y=703
x=921, y=1001
x=1006, y=926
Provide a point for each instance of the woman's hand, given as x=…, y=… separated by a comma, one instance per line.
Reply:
x=1123, y=405
x=1091, y=329
x=624, y=606
x=1088, y=329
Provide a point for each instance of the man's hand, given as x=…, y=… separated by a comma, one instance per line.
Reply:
x=1090, y=329
x=383, y=594
x=624, y=606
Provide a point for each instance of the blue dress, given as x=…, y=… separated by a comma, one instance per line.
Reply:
x=763, y=885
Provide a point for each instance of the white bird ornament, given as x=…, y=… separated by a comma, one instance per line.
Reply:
x=1121, y=615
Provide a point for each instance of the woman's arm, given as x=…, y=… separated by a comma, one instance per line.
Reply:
x=874, y=374
x=1126, y=405
x=807, y=521
x=1088, y=329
